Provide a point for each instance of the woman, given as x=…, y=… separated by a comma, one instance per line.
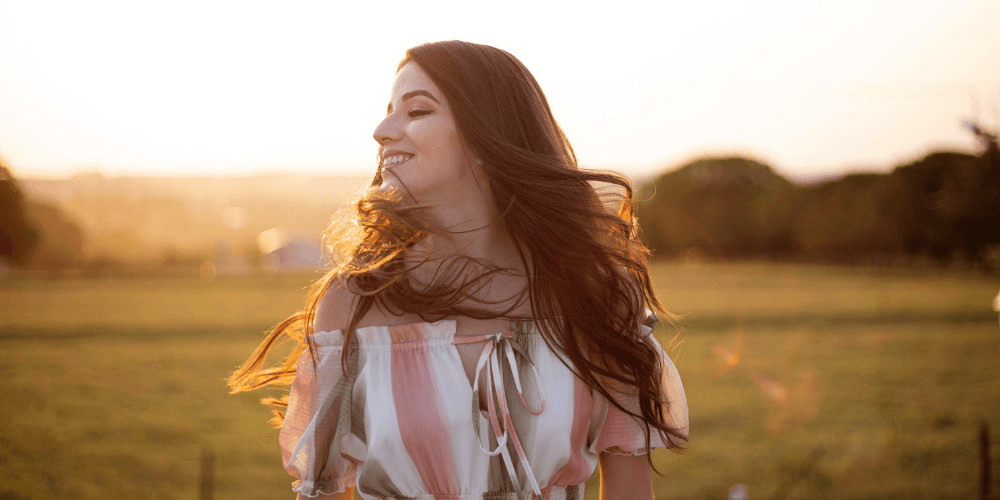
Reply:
x=483, y=332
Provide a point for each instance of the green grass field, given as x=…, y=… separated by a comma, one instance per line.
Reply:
x=802, y=381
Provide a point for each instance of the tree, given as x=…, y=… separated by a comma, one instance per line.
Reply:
x=725, y=207
x=842, y=220
x=18, y=236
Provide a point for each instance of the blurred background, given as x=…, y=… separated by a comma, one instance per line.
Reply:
x=820, y=185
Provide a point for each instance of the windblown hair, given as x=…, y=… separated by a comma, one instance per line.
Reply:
x=587, y=269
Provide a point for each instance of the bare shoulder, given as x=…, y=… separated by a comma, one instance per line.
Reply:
x=334, y=309
x=338, y=303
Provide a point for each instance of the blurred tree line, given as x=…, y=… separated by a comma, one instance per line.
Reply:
x=942, y=208
x=34, y=233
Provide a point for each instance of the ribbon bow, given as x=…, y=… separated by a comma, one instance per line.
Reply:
x=499, y=348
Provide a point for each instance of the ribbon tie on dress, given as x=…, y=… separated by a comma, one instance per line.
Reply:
x=498, y=349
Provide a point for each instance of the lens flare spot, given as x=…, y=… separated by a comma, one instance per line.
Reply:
x=772, y=388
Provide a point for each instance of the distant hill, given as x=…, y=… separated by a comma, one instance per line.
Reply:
x=141, y=219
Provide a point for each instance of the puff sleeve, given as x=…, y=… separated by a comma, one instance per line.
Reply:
x=316, y=439
x=618, y=433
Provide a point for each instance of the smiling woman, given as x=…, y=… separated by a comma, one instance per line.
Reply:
x=420, y=151
x=486, y=329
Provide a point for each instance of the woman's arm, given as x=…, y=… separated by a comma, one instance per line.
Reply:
x=625, y=477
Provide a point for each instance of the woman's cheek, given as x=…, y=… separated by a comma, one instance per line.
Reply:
x=419, y=129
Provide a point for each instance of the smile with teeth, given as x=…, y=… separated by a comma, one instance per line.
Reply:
x=394, y=159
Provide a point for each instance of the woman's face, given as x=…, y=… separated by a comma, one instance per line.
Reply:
x=420, y=152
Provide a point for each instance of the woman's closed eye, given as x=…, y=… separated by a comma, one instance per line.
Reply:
x=418, y=113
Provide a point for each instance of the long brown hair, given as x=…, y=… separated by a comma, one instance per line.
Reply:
x=588, y=279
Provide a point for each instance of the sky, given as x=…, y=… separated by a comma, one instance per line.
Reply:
x=222, y=88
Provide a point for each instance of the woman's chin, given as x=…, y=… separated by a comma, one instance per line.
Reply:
x=388, y=182
x=391, y=187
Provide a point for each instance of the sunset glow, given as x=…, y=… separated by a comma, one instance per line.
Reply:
x=230, y=88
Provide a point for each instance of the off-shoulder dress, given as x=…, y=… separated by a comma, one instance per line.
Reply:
x=405, y=423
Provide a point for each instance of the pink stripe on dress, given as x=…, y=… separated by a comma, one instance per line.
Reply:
x=422, y=427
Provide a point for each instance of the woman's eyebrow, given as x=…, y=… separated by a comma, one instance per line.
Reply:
x=410, y=94
x=419, y=92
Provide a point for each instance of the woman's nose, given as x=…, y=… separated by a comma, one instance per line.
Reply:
x=386, y=131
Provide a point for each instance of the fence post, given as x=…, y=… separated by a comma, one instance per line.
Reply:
x=792, y=479
x=984, y=461
x=206, y=480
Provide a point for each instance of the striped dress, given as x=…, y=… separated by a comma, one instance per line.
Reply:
x=406, y=423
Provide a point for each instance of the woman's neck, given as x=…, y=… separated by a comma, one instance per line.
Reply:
x=468, y=224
